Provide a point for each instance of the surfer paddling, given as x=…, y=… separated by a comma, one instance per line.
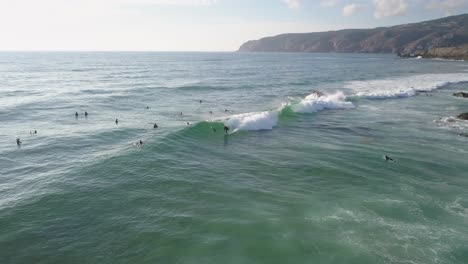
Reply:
x=387, y=158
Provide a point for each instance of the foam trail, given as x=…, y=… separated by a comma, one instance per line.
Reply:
x=253, y=121
x=453, y=123
x=318, y=102
x=403, y=87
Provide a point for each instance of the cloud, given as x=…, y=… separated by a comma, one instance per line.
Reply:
x=389, y=8
x=293, y=4
x=330, y=3
x=447, y=6
x=352, y=9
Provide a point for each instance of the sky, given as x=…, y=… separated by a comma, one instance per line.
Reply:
x=193, y=25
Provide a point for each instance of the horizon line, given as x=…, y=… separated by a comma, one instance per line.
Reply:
x=226, y=51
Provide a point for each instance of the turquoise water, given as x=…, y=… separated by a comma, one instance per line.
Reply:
x=299, y=179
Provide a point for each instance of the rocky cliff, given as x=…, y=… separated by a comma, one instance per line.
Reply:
x=446, y=37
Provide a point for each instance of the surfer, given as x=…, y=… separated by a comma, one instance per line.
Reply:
x=181, y=114
x=317, y=93
x=35, y=132
x=18, y=142
x=147, y=107
x=139, y=143
x=155, y=125
x=226, y=129
x=225, y=110
x=387, y=158
x=211, y=112
x=201, y=101
x=188, y=123
x=76, y=114
x=86, y=114
x=116, y=121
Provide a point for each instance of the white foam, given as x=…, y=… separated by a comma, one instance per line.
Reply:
x=253, y=121
x=452, y=123
x=317, y=102
x=403, y=87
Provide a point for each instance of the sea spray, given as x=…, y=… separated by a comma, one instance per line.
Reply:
x=265, y=120
x=318, y=102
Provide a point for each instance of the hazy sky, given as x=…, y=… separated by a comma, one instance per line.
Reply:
x=194, y=25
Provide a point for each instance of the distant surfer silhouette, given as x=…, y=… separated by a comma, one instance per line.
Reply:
x=226, y=129
x=76, y=114
x=155, y=125
x=86, y=114
x=18, y=142
x=387, y=158
x=211, y=112
x=140, y=143
x=201, y=101
x=116, y=121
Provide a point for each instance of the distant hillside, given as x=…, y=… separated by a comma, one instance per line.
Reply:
x=446, y=37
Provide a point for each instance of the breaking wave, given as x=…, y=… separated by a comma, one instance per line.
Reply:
x=318, y=102
x=267, y=120
x=403, y=87
x=253, y=121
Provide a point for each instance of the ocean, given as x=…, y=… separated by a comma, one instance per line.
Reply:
x=299, y=178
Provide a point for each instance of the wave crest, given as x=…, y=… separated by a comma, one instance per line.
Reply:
x=403, y=87
x=253, y=121
x=317, y=102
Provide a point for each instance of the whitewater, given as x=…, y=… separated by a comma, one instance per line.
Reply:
x=389, y=88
